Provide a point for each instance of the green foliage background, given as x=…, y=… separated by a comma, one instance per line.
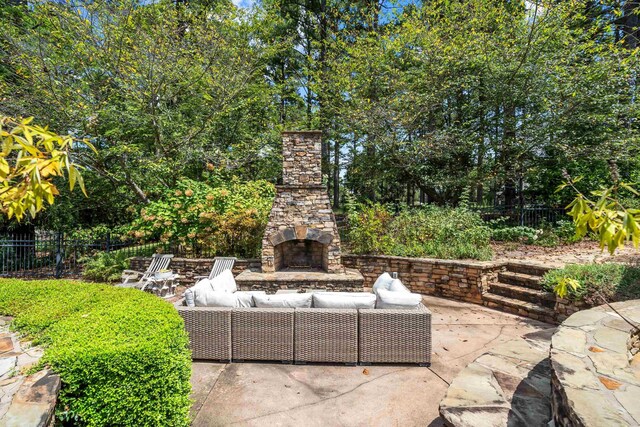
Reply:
x=450, y=233
x=416, y=100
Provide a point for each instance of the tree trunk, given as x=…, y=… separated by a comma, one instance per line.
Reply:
x=336, y=174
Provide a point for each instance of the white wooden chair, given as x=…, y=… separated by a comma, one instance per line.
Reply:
x=220, y=264
x=137, y=279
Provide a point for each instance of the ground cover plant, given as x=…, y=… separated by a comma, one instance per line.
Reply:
x=121, y=354
x=449, y=233
x=546, y=234
x=596, y=283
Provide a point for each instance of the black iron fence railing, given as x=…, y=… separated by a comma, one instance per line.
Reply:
x=530, y=216
x=57, y=254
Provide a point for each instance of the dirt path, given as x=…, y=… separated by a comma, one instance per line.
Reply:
x=578, y=253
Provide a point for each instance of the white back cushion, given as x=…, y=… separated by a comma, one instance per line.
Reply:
x=224, y=282
x=190, y=294
x=398, y=300
x=283, y=301
x=245, y=298
x=211, y=298
x=343, y=300
x=382, y=282
x=398, y=286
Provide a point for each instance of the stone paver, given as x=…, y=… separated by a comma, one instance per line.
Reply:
x=593, y=381
x=508, y=385
x=329, y=395
x=24, y=400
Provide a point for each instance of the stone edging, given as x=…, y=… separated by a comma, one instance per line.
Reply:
x=594, y=382
x=24, y=400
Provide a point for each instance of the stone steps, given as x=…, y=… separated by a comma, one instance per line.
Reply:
x=520, y=279
x=527, y=268
x=536, y=296
x=519, y=307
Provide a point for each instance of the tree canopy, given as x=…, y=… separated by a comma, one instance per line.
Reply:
x=418, y=101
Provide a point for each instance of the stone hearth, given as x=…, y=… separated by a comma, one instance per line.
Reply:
x=301, y=243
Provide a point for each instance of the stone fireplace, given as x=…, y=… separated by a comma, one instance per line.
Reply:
x=301, y=234
x=301, y=245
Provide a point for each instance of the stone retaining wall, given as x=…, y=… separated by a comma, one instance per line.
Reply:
x=459, y=280
x=453, y=279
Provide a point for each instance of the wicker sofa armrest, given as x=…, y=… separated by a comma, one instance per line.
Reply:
x=395, y=336
x=209, y=330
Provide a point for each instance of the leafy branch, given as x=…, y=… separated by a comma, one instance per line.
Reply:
x=606, y=216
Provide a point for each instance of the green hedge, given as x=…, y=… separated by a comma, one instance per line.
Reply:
x=122, y=355
x=614, y=282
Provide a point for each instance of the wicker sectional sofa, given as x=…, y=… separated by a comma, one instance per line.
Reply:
x=303, y=335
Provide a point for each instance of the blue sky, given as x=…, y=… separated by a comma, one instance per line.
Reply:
x=244, y=3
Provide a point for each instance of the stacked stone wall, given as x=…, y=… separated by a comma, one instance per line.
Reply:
x=459, y=280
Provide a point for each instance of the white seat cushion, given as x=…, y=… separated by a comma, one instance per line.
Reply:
x=203, y=285
x=283, y=301
x=382, y=282
x=398, y=300
x=344, y=300
x=211, y=298
x=245, y=298
x=398, y=286
x=224, y=282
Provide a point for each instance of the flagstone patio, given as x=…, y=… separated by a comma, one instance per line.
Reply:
x=328, y=395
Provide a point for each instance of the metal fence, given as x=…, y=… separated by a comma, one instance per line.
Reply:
x=55, y=254
x=530, y=216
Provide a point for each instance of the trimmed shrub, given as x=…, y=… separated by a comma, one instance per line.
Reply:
x=122, y=354
x=614, y=282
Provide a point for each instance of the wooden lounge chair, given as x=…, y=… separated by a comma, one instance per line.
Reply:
x=220, y=264
x=137, y=279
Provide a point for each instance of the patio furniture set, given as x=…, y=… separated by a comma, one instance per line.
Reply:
x=390, y=325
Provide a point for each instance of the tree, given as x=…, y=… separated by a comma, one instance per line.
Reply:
x=32, y=157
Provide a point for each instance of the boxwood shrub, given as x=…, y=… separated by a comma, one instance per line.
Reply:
x=121, y=354
x=614, y=282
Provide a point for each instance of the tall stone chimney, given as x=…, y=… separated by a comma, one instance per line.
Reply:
x=301, y=234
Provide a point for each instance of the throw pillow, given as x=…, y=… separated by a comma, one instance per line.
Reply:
x=398, y=300
x=245, y=298
x=189, y=295
x=382, y=282
x=211, y=298
x=224, y=282
x=398, y=286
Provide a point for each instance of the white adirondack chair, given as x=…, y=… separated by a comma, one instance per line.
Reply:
x=137, y=279
x=220, y=264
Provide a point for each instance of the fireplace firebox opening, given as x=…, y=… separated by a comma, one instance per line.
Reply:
x=300, y=254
